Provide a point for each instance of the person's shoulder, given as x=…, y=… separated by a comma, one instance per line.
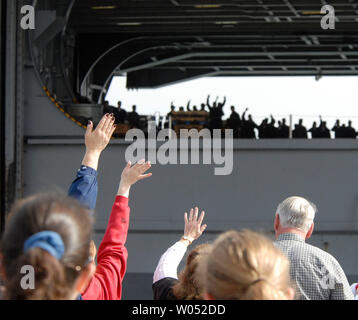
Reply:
x=321, y=254
x=304, y=251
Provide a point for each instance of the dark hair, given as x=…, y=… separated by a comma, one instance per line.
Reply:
x=54, y=279
x=189, y=286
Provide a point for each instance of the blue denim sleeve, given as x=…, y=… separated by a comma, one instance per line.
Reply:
x=85, y=187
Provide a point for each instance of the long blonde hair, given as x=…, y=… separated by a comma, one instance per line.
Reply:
x=246, y=265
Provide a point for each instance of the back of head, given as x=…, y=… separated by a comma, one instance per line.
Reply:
x=190, y=286
x=246, y=266
x=56, y=265
x=296, y=212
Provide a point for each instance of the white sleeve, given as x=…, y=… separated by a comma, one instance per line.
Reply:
x=169, y=262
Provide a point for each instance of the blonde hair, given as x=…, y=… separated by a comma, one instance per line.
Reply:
x=190, y=286
x=246, y=265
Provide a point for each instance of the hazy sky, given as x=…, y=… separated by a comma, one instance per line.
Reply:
x=303, y=97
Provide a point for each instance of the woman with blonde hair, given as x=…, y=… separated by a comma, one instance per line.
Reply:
x=245, y=265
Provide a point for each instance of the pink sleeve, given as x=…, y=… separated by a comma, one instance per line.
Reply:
x=112, y=256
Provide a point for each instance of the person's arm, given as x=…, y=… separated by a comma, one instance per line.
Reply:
x=188, y=106
x=244, y=114
x=170, y=260
x=223, y=103
x=85, y=187
x=208, y=102
x=106, y=283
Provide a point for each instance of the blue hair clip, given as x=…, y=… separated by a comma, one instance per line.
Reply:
x=49, y=241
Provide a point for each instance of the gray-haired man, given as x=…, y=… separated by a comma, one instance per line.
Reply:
x=316, y=273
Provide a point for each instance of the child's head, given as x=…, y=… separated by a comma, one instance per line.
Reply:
x=52, y=234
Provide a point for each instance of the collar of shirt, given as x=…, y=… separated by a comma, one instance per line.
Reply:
x=290, y=236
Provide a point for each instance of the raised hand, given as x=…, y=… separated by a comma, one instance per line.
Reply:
x=97, y=140
x=193, y=228
x=132, y=174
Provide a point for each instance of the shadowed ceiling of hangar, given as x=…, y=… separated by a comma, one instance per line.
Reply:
x=187, y=39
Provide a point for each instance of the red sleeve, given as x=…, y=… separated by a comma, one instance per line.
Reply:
x=106, y=283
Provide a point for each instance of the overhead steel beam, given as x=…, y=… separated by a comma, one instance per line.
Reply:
x=210, y=28
x=263, y=73
x=154, y=79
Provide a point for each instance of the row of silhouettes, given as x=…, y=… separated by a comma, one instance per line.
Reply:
x=245, y=127
x=268, y=129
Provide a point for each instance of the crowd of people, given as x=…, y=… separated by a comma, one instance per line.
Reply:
x=53, y=234
x=121, y=116
x=210, y=115
x=246, y=128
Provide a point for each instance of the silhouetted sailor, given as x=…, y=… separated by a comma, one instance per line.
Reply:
x=283, y=130
x=133, y=118
x=216, y=113
x=272, y=131
x=352, y=133
x=314, y=130
x=120, y=114
x=188, y=107
x=323, y=131
x=337, y=129
x=300, y=131
x=234, y=122
x=203, y=107
x=263, y=134
x=172, y=110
